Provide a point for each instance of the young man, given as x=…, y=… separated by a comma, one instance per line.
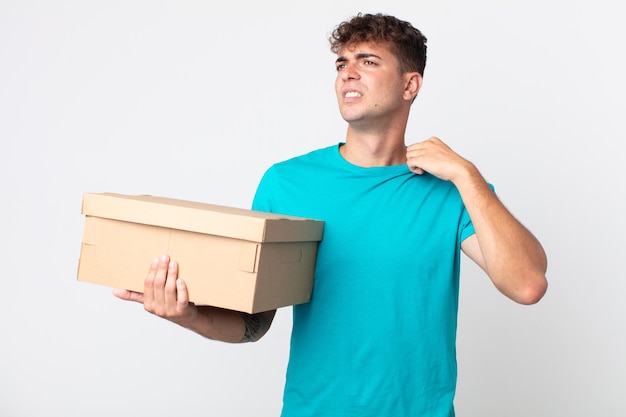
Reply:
x=378, y=336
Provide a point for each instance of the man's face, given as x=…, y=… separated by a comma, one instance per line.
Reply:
x=369, y=85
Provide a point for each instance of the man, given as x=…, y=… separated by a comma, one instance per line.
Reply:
x=378, y=336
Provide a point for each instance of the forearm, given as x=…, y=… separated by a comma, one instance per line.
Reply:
x=228, y=325
x=512, y=257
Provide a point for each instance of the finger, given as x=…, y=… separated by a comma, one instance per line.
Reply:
x=160, y=277
x=170, y=284
x=416, y=150
x=183, y=294
x=148, y=286
x=416, y=170
x=412, y=148
x=128, y=295
x=434, y=139
x=412, y=161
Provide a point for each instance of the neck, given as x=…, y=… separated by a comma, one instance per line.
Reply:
x=370, y=150
x=369, y=146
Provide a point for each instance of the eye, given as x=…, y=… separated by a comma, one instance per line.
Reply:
x=340, y=67
x=368, y=62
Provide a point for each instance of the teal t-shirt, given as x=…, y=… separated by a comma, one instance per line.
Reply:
x=379, y=334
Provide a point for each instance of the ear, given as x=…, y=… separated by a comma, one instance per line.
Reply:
x=413, y=84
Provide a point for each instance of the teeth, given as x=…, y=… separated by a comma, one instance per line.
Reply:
x=353, y=94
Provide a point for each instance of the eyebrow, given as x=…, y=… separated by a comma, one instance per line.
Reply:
x=358, y=56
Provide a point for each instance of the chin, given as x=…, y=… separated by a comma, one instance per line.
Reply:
x=351, y=116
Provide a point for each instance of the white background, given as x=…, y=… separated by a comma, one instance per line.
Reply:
x=194, y=100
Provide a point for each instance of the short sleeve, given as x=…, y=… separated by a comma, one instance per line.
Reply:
x=262, y=198
x=467, y=227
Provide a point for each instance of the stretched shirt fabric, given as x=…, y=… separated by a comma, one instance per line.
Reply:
x=379, y=334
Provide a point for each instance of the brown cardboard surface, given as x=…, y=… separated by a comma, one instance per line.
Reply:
x=229, y=257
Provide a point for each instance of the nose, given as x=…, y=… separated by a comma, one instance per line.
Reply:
x=349, y=73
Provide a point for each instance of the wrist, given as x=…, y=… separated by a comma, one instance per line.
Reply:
x=466, y=175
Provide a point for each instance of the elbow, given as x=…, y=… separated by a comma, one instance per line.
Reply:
x=532, y=291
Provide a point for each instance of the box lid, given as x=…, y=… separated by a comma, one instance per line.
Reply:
x=204, y=218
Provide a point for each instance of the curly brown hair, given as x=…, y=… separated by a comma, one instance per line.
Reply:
x=407, y=42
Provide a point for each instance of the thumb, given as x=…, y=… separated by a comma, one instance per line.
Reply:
x=416, y=170
x=127, y=295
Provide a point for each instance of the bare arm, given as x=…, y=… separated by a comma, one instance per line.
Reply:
x=166, y=296
x=511, y=256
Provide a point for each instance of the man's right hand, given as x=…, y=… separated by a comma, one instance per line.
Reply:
x=165, y=295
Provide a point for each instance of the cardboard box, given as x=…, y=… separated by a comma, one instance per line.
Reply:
x=232, y=258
